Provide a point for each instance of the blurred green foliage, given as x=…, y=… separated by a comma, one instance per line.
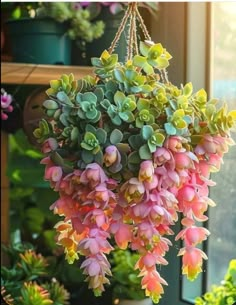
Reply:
x=223, y=294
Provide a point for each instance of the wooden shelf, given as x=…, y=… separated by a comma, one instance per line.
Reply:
x=33, y=74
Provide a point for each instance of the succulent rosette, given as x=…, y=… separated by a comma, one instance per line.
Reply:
x=129, y=154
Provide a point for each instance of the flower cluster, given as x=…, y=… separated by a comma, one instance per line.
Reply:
x=129, y=153
x=6, y=107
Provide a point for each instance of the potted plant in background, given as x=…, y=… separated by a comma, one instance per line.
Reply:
x=45, y=33
x=126, y=282
x=28, y=281
x=41, y=32
x=223, y=294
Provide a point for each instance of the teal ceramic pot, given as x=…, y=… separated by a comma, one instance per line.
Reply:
x=39, y=41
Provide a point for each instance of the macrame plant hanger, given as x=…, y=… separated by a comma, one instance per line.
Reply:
x=131, y=17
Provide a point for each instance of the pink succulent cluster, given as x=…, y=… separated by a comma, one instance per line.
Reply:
x=138, y=212
x=6, y=107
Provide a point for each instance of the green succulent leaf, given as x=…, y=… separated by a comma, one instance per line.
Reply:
x=116, y=136
x=134, y=157
x=162, y=63
x=119, y=75
x=55, y=84
x=147, y=132
x=139, y=61
x=101, y=135
x=87, y=156
x=98, y=158
x=188, y=89
x=144, y=48
x=50, y=104
x=170, y=129
x=64, y=98
x=144, y=152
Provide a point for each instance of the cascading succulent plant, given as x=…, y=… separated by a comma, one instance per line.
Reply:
x=129, y=153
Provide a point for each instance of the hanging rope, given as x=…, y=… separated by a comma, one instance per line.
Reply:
x=120, y=30
x=132, y=32
x=136, y=50
x=143, y=26
x=132, y=15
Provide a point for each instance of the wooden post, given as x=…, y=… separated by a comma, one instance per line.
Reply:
x=4, y=194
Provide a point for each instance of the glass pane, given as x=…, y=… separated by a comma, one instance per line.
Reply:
x=222, y=224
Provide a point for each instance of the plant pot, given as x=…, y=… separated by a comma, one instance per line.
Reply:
x=136, y=302
x=97, y=46
x=39, y=41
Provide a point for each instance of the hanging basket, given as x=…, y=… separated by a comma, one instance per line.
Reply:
x=129, y=153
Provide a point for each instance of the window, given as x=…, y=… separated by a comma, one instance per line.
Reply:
x=222, y=220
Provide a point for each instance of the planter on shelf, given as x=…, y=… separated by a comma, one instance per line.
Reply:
x=136, y=302
x=40, y=41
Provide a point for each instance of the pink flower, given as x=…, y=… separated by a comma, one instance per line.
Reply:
x=193, y=235
x=161, y=156
x=49, y=145
x=146, y=230
x=161, y=246
x=122, y=233
x=6, y=100
x=97, y=267
x=174, y=143
x=133, y=190
x=167, y=177
x=112, y=158
x=152, y=283
x=186, y=193
x=192, y=261
x=146, y=171
x=98, y=217
x=101, y=197
x=148, y=261
x=95, y=243
x=65, y=206
x=152, y=184
x=183, y=160
x=213, y=145
x=52, y=173
x=93, y=175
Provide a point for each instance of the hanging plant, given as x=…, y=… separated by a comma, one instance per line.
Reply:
x=129, y=153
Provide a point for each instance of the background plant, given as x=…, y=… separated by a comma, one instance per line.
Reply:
x=224, y=293
x=78, y=19
x=27, y=280
x=82, y=18
x=125, y=281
